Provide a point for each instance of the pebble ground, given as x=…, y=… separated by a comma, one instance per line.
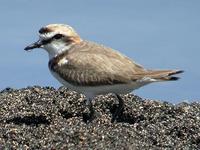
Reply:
x=46, y=118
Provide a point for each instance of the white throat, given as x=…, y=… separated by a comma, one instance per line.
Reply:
x=55, y=48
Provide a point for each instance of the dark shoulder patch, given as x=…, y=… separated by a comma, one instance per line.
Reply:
x=53, y=62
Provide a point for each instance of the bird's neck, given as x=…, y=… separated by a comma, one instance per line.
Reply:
x=55, y=49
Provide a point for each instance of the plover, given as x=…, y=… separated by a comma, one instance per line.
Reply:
x=93, y=69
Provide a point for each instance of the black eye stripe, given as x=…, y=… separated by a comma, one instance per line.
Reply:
x=57, y=36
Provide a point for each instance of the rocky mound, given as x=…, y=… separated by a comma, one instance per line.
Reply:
x=46, y=118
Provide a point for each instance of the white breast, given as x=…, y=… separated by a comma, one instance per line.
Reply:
x=91, y=91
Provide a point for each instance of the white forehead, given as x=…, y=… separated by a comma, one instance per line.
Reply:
x=58, y=25
x=58, y=29
x=47, y=35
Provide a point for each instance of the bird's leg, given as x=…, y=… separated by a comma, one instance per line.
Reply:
x=119, y=109
x=91, y=109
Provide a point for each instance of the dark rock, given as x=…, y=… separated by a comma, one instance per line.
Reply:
x=46, y=118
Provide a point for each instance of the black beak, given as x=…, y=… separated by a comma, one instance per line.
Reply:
x=37, y=44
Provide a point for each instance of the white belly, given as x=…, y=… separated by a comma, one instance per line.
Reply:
x=91, y=91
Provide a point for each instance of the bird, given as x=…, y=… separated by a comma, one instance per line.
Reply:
x=94, y=69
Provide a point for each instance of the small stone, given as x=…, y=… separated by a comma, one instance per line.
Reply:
x=46, y=118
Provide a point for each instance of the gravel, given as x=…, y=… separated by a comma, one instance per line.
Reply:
x=47, y=118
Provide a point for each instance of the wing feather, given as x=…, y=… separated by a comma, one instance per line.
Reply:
x=91, y=64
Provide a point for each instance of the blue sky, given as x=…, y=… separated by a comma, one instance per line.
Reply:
x=157, y=34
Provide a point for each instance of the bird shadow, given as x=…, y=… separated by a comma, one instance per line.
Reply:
x=86, y=117
x=126, y=117
x=29, y=120
x=65, y=114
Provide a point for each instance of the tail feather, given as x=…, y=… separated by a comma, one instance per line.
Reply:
x=164, y=75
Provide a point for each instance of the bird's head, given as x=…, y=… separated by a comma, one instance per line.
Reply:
x=55, y=38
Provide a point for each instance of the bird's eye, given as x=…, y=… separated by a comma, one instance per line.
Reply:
x=58, y=36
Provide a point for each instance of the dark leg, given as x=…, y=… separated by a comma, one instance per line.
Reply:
x=91, y=115
x=119, y=109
